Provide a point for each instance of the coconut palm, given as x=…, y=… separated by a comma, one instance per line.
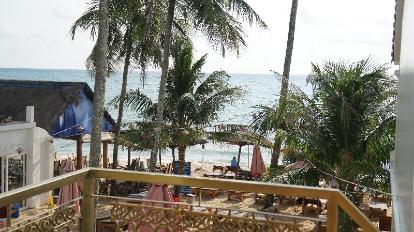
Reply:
x=346, y=127
x=215, y=19
x=192, y=101
x=163, y=81
x=130, y=39
x=101, y=51
x=285, y=82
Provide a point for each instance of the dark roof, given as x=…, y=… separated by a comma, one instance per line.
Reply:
x=49, y=99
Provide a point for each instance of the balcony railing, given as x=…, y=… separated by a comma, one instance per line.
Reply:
x=180, y=217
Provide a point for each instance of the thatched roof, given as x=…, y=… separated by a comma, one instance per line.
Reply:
x=237, y=134
x=49, y=99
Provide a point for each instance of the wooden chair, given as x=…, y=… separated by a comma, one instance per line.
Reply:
x=385, y=223
x=169, y=169
x=239, y=195
x=305, y=202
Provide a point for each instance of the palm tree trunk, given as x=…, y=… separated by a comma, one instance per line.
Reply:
x=181, y=159
x=163, y=81
x=122, y=99
x=173, y=153
x=100, y=81
x=238, y=157
x=285, y=82
x=159, y=157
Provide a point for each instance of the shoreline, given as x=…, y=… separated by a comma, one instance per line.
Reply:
x=198, y=169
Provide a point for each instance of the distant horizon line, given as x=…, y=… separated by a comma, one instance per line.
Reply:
x=137, y=70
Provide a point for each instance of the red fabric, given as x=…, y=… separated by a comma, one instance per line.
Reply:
x=70, y=192
x=258, y=167
x=159, y=193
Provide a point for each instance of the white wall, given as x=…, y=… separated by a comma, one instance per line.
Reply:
x=35, y=143
x=404, y=158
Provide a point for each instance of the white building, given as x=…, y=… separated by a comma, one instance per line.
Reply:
x=26, y=156
x=403, y=176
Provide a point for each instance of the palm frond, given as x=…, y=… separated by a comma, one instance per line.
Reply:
x=245, y=11
x=135, y=100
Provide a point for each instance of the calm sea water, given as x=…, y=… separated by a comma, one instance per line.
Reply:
x=261, y=89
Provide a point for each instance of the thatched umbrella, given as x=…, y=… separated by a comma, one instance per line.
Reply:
x=239, y=135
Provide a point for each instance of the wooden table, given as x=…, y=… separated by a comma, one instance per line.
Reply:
x=375, y=209
x=377, y=205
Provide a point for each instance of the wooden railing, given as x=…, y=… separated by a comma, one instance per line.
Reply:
x=89, y=176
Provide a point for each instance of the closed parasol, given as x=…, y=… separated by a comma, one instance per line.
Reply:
x=258, y=167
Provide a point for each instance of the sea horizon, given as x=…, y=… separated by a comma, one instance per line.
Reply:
x=260, y=89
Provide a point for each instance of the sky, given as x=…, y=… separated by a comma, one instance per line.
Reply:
x=35, y=34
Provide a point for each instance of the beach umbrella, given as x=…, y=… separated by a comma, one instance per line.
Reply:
x=156, y=193
x=258, y=167
x=160, y=193
x=69, y=193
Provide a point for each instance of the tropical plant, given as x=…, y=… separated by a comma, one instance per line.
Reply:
x=130, y=38
x=140, y=136
x=192, y=101
x=101, y=51
x=346, y=127
x=215, y=19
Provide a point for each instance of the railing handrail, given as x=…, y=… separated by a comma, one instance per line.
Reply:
x=16, y=195
x=337, y=197
x=225, y=184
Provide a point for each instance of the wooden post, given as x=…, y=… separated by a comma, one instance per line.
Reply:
x=129, y=157
x=88, y=205
x=159, y=157
x=332, y=219
x=200, y=195
x=79, y=159
x=105, y=154
x=9, y=212
x=238, y=157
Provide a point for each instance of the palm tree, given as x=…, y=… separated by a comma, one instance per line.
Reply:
x=192, y=100
x=101, y=50
x=285, y=83
x=144, y=49
x=130, y=37
x=346, y=128
x=356, y=125
x=353, y=119
x=214, y=18
x=163, y=81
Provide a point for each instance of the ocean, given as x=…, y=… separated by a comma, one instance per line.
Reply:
x=260, y=89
